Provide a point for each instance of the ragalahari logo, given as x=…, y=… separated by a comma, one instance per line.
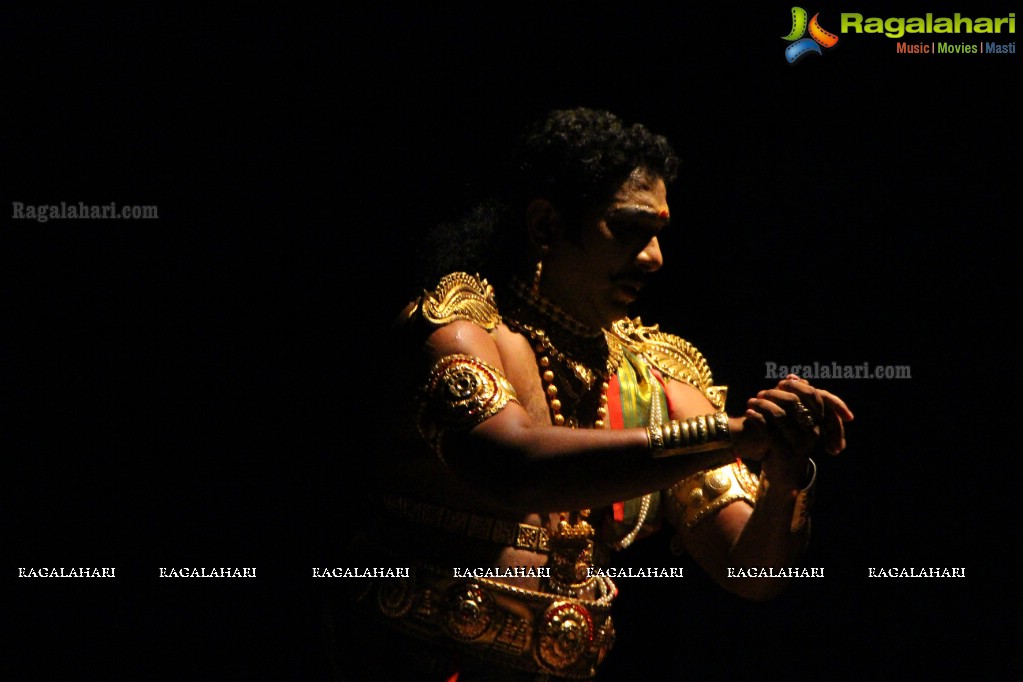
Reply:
x=802, y=46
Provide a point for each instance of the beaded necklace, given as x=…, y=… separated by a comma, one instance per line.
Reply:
x=569, y=390
x=599, y=349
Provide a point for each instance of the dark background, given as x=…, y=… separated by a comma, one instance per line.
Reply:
x=198, y=390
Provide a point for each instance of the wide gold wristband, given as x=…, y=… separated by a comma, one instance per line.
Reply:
x=685, y=436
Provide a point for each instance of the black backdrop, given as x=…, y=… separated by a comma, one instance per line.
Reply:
x=198, y=390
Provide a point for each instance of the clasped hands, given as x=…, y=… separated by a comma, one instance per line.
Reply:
x=784, y=425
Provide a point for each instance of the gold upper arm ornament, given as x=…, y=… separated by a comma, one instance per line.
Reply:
x=459, y=296
x=696, y=497
x=674, y=357
x=462, y=392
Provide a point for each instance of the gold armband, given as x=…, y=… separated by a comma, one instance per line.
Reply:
x=462, y=392
x=696, y=497
x=696, y=434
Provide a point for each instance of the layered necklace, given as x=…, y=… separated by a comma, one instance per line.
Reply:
x=575, y=361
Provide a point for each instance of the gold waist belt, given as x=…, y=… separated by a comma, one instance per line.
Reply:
x=510, y=626
x=478, y=526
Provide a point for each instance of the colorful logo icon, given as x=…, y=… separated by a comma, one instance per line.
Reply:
x=802, y=46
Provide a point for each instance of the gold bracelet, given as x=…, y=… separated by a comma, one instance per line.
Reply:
x=701, y=429
x=655, y=437
x=695, y=434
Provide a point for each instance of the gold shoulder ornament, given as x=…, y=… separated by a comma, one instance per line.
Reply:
x=459, y=296
x=674, y=357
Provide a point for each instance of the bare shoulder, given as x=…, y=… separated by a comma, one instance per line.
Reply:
x=461, y=337
x=515, y=349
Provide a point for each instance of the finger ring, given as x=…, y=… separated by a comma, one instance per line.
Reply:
x=804, y=417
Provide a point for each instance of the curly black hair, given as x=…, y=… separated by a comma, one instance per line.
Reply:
x=576, y=159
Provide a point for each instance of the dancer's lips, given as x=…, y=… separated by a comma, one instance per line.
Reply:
x=631, y=286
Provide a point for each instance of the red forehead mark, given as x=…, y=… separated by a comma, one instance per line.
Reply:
x=662, y=214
